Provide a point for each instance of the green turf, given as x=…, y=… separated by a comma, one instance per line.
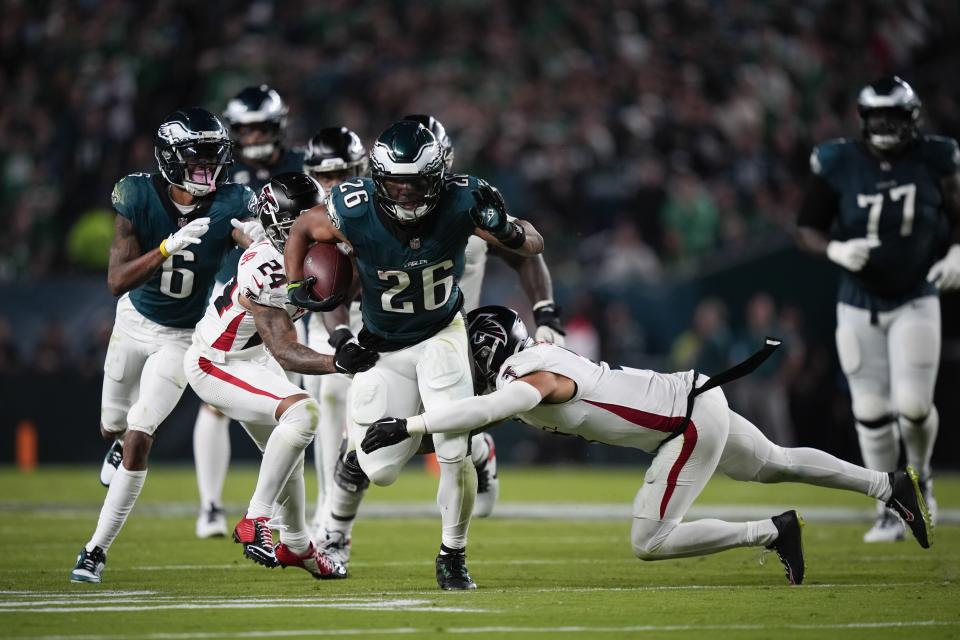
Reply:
x=538, y=579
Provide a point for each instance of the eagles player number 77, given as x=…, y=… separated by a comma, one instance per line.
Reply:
x=881, y=207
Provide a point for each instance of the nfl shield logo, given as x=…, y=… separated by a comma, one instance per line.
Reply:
x=415, y=243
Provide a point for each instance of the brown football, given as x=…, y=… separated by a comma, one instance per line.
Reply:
x=331, y=267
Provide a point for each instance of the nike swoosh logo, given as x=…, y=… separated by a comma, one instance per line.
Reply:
x=904, y=512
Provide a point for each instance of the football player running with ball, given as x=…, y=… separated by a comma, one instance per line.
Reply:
x=881, y=208
x=682, y=418
x=334, y=155
x=236, y=363
x=408, y=227
x=172, y=229
x=256, y=119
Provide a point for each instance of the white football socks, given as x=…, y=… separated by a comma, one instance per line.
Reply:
x=660, y=539
x=284, y=449
x=291, y=513
x=211, y=455
x=121, y=496
x=455, y=497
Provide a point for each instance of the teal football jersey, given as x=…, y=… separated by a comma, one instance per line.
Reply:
x=899, y=203
x=177, y=295
x=409, y=274
x=255, y=178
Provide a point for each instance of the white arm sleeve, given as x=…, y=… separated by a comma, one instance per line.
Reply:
x=469, y=413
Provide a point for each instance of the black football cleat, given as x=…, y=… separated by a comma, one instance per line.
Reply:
x=452, y=574
x=789, y=544
x=89, y=567
x=907, y=501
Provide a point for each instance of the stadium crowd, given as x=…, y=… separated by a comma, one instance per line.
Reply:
x=680, y=128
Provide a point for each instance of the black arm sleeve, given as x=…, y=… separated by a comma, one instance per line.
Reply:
x=820, y=207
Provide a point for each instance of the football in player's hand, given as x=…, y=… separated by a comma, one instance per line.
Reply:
x=331, y=267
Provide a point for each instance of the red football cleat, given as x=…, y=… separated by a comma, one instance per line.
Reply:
x=320, y=566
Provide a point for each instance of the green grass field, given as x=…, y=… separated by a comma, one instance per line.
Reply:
x=539, y=578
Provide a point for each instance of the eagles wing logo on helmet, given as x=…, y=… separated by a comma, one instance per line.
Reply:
x=174, y=133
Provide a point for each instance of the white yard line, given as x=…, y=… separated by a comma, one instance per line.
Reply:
x=394, y=631
x=96, y=601
x=506, y=510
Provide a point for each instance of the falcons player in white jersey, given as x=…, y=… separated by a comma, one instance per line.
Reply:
x=333, y=155
x=236, y=364
x=688, y=425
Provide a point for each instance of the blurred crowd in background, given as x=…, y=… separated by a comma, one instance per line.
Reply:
x=647, y=139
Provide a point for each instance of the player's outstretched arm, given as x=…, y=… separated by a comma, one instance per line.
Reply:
x=280, y=337
x=465, y=414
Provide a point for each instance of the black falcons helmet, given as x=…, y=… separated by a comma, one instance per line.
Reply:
x=407, y=166
x=281, y=202
x=439, y=132
x=495, y=333
x=889, y=115
x=192, y=150
x=335, y=150
x=260, y=107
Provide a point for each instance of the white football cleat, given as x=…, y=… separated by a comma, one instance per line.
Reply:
x=887, y=528
x=334, y=545
x=488, y=485
x=212, y=522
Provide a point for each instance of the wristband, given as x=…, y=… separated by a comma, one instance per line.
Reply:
x=163, y=249
x=416, y=424
x=548, y=302
x=516, y=241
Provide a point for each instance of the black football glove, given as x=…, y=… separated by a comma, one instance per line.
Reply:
x=351, y=358
x=549, y=328
x=490, y=214
x=298, y=292
x=340, y=337
x=383, y=433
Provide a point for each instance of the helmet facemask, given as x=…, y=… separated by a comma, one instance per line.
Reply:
x=257, y=140
x=335, y=155
x=203, y=165
x=409, y=198
x=888, y=130
x=889, y=115
x=407, y=167
x=258, y=119
x=192, y=149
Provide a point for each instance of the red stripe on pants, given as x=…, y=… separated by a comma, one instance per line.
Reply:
x=689, y=442
x=208, y=367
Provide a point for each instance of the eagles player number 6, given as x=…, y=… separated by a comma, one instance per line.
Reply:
x=177, y=282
